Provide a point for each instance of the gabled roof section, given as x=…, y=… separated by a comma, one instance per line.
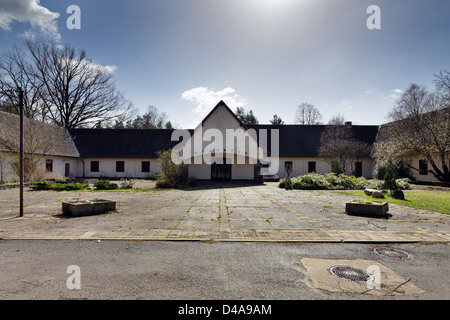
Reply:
x=122, y=143
x=39, y=138
x=223, y=104
x=304, y=140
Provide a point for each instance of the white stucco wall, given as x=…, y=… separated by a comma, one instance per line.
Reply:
x=107, y=168
x=300, y=166
x=428, y=177
x=238, y=171
x=242, y=172
x=219, y=134
x=199, y=171
x=58, y=172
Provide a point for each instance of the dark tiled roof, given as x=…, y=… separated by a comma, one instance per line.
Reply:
x=122, y=143
x=304, y=140
x=295, y=140
x=46, y=139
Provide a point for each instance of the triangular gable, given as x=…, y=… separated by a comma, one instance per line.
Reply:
x=221, y=121
x=215, y=110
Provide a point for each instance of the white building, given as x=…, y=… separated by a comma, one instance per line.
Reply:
x=132, y=153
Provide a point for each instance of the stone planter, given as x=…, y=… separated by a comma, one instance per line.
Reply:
x=367, y=208
x=82, y=208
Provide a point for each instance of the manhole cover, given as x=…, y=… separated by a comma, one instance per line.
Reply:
x=352, y=274
x=393, y=253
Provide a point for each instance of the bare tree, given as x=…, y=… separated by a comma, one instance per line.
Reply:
x=337, y=119
x=442, y=81
x=152, y=119
x=338, y=142
x=40, y=140
x=16, y=72
x=4, y=165
x=75, y=91
x=307, y=114
x=420, y=125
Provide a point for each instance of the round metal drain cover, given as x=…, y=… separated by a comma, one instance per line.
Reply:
x=352, y=274
x=393, y=253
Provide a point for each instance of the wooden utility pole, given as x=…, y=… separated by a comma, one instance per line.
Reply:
x=21, y=151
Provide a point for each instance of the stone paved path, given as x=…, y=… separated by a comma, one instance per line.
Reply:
x=217, y=212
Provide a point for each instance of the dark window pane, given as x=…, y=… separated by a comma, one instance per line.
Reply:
x=145, y=166
x=311, y=166
x=95, y=166
x=423, y=167
x=120, y=166
x=358, y=169
x=49, y=165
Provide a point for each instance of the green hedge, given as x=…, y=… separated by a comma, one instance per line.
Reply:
x=105, y=185
x=331, y=181
x=55, y=186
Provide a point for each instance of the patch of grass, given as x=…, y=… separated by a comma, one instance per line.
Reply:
x=437, y=201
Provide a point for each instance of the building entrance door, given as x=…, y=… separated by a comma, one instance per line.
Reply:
x=221, y=171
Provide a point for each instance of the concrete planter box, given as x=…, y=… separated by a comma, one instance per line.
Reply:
x=82, y=208
x=367, y=208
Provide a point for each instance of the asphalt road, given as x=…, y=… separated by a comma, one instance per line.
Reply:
x=131, y=270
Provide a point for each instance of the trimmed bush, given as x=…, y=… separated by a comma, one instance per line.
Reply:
x=55, y=186
x=105, y=185
x=40, y=186
x=69, y=186
x=331, y=181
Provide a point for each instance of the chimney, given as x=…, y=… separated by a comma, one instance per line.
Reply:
x=348, y=124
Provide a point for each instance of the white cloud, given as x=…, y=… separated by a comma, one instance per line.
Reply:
x=370, y=90
x=345, y=104
x=396, y=93
x=105, y=69
x=88, y=64
x=207, y=98
x=42, y=20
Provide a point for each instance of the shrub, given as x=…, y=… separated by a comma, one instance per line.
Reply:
x=403, y=184
x=331, y=181
x=105, y=185
x=336, y=167
x=401, y=168
x=389, y=177
x=68, y=186
x=126, y=184
x=191, y=182
x=39, y=186
x=163, y=183
x=156, y=176
x=172, y=173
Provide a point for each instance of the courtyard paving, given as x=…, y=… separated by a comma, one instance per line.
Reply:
x=217, y=212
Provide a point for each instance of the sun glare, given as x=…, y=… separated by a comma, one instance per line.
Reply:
x=273, y=4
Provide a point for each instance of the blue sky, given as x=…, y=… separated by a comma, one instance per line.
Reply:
x=269, y=56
